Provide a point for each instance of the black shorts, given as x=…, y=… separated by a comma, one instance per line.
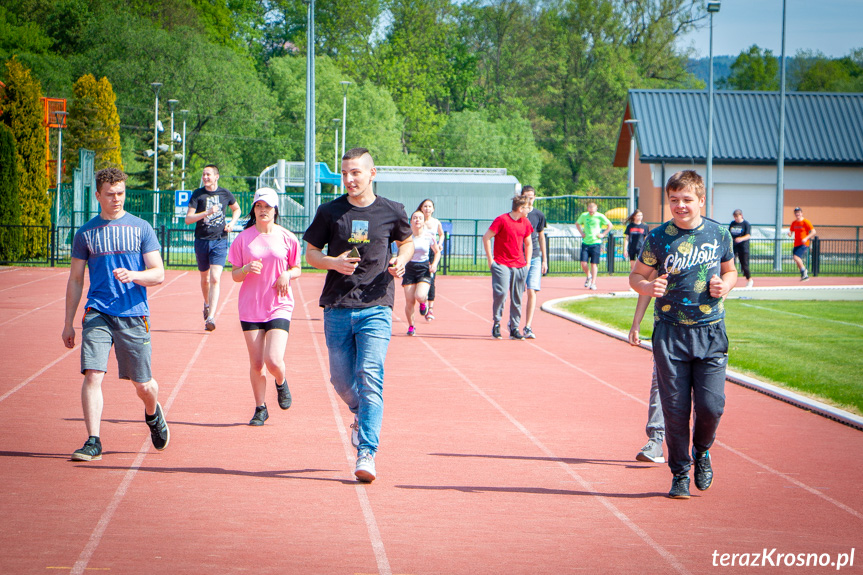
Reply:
x=416, y=272
x=278, y=323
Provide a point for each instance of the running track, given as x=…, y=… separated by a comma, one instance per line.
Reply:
x=497, y=457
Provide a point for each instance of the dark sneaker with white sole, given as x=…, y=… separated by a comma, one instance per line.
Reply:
x=703, y=470
x=679, y=486
x=528, y=333
x=355, y=432
x=515, y=334
x=495, y=331
x=284, y=395
x=159, y=432
x=206, y=311
x=92, y=450
x=260, y=416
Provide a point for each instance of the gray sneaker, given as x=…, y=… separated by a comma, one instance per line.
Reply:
x=355, y=432
x=365, y=469
x=528, y=333
x=651, y=452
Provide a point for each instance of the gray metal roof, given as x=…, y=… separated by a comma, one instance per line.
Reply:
x=821, y=128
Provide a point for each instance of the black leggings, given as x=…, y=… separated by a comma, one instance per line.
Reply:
x=743, y=256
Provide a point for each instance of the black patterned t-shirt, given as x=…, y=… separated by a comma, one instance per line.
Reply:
x=690, y=258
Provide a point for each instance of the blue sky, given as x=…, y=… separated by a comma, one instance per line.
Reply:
x=833, y=27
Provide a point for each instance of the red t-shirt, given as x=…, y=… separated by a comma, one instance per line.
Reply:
x=509, y=237
x=801, y=230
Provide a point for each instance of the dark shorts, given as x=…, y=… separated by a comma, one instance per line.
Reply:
x=278, y=323
x=633, y=251
x=130, y=337
x=590, y=253
x=416, y=272
x=801, y=251
x=211, y=253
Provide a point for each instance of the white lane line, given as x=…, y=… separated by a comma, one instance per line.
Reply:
x=47, y=277
x=99, y=531
x=65, y=355
x=800, y=315
x=28, y=312
x=335, y=402
x=585, y=485
x=38, y=373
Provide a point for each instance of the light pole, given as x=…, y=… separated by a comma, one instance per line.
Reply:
x=632, y=125
x=183, y=170
x=309, y=195
x=345, y=84
x=171, y=105
x=712, y=7
x=336, y=165
x=61, y=120
x=156, y=87
x=780, y=158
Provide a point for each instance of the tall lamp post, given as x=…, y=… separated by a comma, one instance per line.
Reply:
x=336, y=166
x=156, y=87
x=712, y=8
x=171, y=105
x=61, y=121
x=183, y=169
x=780, y=158
x=632, y=125
x=309, y=195
x=345, y=84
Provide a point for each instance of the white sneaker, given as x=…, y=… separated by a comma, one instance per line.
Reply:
x=750, y=283
x=365, y=469
x=355, y=432
x=587, y=282
x=592, y=286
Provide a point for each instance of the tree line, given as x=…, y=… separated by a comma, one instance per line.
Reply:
x=536, y=87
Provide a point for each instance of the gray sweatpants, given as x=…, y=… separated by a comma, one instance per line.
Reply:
x=690, y=369
x=507, y=280
x=655, y=427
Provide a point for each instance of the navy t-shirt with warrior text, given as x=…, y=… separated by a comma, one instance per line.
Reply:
x=110, y=244
x=690, y=258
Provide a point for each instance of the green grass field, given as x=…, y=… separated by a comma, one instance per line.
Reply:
x=812, y=347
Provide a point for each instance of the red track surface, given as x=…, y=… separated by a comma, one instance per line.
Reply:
x=496, y=456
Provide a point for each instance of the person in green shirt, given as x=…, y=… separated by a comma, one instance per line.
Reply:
x=589, y=225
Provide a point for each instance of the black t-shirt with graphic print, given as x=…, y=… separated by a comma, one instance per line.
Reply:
x=691, y=258
x=340, y=226
x=212, y=227
x=737, y=230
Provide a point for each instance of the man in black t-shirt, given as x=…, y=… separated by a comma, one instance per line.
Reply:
x=207, y=212
x=740, y=233
x=538, y=264
x=359, y=293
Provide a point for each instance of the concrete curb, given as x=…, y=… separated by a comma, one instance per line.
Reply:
x=771, y=390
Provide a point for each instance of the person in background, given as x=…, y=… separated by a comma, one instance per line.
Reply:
x=803, y=231
x=435, y=228
x=419, y=271
x=633, y=236
x=590, y=225
x=539, y=261
x=741, y=233
x=207, y=212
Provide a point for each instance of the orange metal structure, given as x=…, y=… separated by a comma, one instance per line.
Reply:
x=49, y=120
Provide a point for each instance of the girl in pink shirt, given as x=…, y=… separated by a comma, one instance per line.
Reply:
x=265, y=258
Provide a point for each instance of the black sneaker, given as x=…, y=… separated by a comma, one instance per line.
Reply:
x=92, y=450
x=210, y=324
x=495, y=331
x=515, y=334
x=679, y=487
x=206, y=311
x=159, y=432
x=804, y=277
x=703, y=470
x=284, y=395
x=260, y=416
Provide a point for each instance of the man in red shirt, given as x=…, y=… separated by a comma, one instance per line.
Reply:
x=803, y=231
x=508, y=263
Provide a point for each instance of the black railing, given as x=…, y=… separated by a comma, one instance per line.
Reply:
x=463, y=253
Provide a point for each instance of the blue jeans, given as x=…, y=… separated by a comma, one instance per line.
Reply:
x=357, y=341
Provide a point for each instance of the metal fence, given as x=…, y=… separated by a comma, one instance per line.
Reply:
x=838, y=250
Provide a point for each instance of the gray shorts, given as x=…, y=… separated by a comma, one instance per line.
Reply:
x=129, y=335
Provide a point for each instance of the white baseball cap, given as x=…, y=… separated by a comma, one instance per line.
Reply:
x=268, y=196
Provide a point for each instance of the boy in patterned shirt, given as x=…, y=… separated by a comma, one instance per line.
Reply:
x=694, y=261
